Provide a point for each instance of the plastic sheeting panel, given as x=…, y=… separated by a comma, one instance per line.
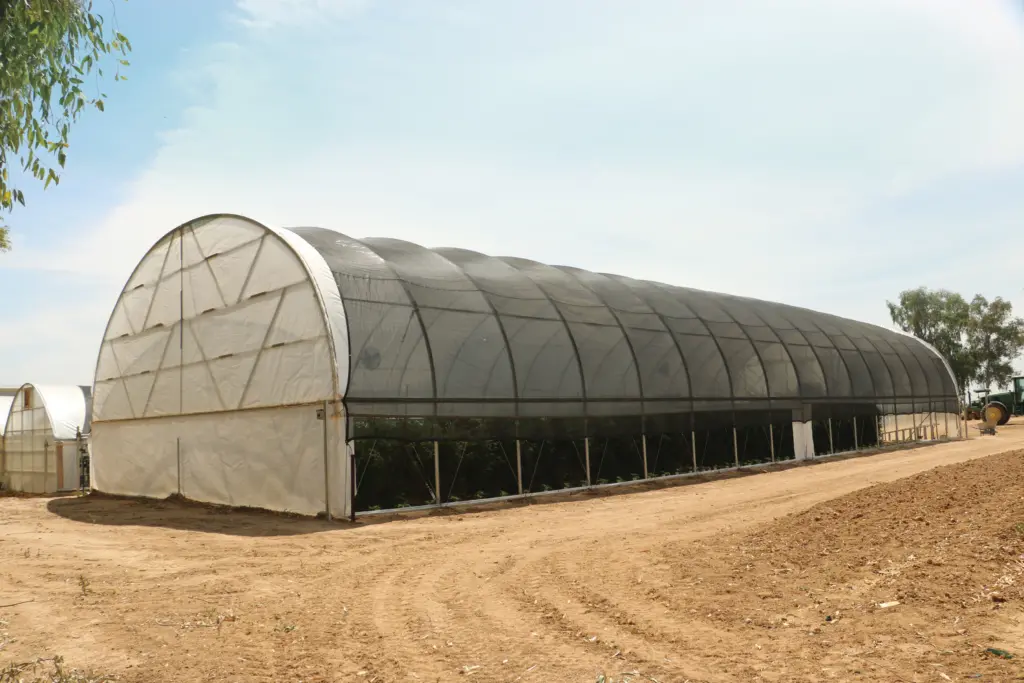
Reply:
x=271, y=458
x=221, y=315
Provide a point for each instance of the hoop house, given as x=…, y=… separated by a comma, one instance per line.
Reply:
x=304, y=370
x=45, y=427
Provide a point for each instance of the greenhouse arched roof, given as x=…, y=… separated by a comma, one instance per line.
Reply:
x=457, y=333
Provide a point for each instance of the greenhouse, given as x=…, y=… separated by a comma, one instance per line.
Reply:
x=46, y=431
x=308, y=371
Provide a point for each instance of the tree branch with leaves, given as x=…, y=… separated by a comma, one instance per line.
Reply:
x=48, y=48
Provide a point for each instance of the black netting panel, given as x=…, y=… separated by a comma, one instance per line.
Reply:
x=782, y=436
x=389, y=357
x=808, y=370
x=730, y=330
x=900, y=377
x=608, y=367
x=662, y=372
x=430, y=279
x=918, y=379
x=759, y=333
x=741, y=311
x=553, y=464
x=470, y=356
x=745, y=369
x=861, y=383
x=880, y=376
x=934, y=370
x=709, y=377
x=658, y=297
x=575, y=302
x=545, y=359
x=714, y=443
x=703, y=304
x=754, y=443
x=779, y=371
x=474, y=470
x=615, y=459
x=793, y=337
x=837, y=377
x=455, y=333
x=820, y=431
x=393, y=474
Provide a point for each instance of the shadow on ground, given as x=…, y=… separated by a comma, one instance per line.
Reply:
x=185, y=515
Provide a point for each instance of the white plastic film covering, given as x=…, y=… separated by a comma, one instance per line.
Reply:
x=217, y=356
x=272, y=459
x=803, y=440
x=5, y=409
x=229, y=320
x=330, y=297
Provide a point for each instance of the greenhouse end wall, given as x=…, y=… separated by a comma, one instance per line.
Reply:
x=217, y=378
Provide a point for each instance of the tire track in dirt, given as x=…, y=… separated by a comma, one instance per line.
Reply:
x=483, y=603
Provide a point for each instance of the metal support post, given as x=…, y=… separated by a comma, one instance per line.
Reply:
x=179, y=465
x=735, y=448
x=831, y=446
x=771, y=439
x=519, y=465
x=437, y=474
x=353, y=485
x=586, y=451
x=643, y=444
x=693, y=447
x=856, y=436
x=327, y=464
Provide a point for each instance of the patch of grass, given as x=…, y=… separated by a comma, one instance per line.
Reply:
x=1019, y=528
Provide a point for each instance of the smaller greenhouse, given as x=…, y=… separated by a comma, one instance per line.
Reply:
x=45, y=434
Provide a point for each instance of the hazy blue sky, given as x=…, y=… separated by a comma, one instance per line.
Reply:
x=825, y=153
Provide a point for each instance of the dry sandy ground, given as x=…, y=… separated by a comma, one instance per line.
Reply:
x=774, y=576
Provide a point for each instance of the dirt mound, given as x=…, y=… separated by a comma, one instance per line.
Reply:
x=918, y=579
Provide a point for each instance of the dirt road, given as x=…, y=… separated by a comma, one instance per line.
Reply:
x=690, y=583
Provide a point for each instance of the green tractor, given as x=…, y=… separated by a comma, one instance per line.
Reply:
x=1000, y=406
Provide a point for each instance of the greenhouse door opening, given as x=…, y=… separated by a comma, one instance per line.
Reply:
x=68, y=473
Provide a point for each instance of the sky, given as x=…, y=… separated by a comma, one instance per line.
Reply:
x=822, y=153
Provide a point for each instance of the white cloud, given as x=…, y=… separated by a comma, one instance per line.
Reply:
x=715, y=144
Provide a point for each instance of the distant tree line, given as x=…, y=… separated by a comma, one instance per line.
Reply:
x=980, y=338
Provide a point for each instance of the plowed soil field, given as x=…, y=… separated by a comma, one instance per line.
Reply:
x=901, y=566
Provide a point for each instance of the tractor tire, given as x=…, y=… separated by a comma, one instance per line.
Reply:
x=1004, y=414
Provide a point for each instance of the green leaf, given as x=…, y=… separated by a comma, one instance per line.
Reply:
x=47, y=50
